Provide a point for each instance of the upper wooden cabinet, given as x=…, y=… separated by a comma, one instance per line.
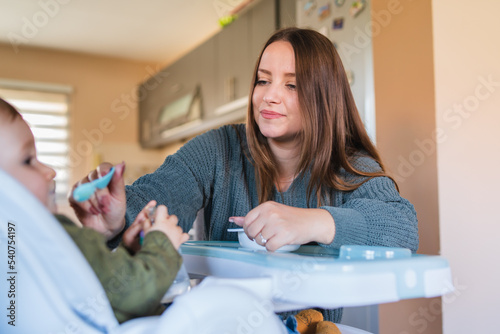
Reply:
x=209, y=86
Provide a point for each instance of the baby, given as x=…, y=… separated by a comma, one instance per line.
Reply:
x=149, y=272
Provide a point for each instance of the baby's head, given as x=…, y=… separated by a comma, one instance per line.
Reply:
x=18, y=155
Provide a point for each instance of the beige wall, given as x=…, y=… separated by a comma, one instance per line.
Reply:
x=405, y=122
x=467, y=80
x=437, y=90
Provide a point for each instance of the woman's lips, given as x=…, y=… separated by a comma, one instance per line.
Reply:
x=270, y=114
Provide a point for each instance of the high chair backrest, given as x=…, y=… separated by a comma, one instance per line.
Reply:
x=47, y=286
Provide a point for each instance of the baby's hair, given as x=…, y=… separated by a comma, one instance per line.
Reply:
x=7, y=109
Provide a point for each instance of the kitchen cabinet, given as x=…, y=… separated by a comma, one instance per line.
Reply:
x=216, y=76
x=232, y=61
x=262, y=22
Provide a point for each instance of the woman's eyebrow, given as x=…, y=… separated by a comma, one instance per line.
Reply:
x=264, y=71
x=289, y=74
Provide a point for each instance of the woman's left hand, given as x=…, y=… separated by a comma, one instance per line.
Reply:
x=274, y=225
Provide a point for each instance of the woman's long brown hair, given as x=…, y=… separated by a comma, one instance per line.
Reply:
x=332, y=133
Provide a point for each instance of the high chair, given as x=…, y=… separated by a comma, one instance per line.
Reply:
x=47, y=286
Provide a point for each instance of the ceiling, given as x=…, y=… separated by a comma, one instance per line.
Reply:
x=153, y=31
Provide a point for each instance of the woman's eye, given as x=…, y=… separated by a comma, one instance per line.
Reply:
x=261, y=82
x=292, y=86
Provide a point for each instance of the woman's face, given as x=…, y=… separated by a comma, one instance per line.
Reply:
x=18, y=158
x=275, y=102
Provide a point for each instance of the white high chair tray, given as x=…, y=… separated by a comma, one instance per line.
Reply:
x=314, y=276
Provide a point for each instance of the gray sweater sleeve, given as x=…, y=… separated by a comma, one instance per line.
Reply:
x=182, y=183
x=375, y=214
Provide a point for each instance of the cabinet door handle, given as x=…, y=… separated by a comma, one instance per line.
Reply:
x=229, y=89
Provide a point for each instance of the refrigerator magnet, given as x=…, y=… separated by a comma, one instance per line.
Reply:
x=338, y=23
x=324, y=12
x=309, y=7
x=357, y=7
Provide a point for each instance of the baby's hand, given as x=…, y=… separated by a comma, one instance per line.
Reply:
x=131, y=237
x=168, y=225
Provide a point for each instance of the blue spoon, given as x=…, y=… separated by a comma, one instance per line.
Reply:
x=85, y=190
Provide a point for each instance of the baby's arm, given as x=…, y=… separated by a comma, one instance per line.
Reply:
x=134, y=285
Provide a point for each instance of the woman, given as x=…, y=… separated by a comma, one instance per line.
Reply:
x=302, y=170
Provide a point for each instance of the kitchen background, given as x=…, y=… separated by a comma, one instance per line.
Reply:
x=425, y=75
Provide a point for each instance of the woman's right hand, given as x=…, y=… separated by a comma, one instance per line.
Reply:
x=105, y=210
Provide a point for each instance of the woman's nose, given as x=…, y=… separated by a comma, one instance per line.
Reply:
x=272, y=95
